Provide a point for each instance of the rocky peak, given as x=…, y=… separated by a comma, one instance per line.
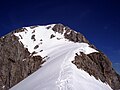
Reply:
x=16, y=62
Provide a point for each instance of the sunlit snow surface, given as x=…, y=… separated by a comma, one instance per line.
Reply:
x=57, y=73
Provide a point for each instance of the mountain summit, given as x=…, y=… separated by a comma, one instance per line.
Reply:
x=53, y=57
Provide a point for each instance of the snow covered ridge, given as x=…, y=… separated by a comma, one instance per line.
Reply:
x=58, y=72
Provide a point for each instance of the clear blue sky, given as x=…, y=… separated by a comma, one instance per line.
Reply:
x=98, y=20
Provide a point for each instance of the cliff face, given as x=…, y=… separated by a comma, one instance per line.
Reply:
x=16, y=62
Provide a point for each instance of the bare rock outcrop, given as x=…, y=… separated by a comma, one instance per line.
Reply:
x=16, y=63
x=98, y=65
x=69, y=33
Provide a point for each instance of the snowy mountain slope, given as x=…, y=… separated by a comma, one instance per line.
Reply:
x=57, y=72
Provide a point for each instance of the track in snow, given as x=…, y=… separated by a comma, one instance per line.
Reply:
x=64, y=81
